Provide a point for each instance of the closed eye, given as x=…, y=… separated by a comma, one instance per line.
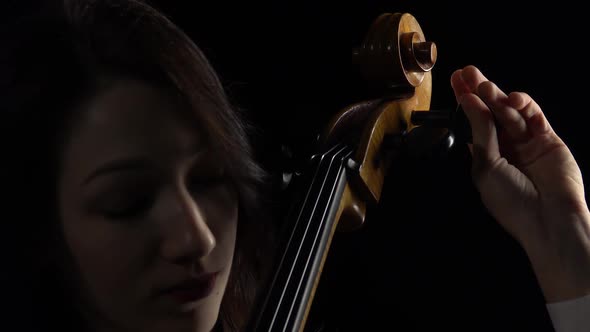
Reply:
x=130, y=208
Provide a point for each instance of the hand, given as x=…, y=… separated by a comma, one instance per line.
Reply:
x=529, y=181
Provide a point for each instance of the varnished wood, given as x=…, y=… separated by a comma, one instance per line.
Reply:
x=397, y=56
x=396, y=61
x=392, y=118
x=351, y=213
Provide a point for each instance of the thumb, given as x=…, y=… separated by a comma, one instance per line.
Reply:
x=485, y=149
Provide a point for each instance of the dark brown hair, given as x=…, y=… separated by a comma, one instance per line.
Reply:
x=57, y=58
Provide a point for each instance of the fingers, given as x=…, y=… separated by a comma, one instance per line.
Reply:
x=531, y=113
x=466, y=80
x=473, y=78
x=458, y=84
x=508, y=117
x=517, y=116
x=483, y=128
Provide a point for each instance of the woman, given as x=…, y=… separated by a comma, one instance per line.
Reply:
x=138, y=167
x=134, y=162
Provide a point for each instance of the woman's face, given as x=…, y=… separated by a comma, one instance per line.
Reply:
x=147, y=212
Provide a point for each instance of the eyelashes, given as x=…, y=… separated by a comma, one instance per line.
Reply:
x=129, y=208
x=136, y=204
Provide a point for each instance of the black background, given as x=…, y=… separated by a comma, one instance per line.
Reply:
x=430, y=257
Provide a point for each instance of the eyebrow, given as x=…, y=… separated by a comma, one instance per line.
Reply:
x=119, y=165
x=136, y=163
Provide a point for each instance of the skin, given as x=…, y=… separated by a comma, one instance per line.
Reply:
x=165, y=214
x=526, y=175
x=529, y=181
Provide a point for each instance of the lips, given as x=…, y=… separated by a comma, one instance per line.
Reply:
x=192, y=290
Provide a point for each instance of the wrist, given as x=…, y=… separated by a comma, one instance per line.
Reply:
x=561, y=257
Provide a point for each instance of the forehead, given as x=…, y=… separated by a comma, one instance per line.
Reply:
x=129, y=107
x=131, y=118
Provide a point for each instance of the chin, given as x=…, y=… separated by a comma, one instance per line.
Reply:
x=196, y=317
x=199, y=322
x=206, y=314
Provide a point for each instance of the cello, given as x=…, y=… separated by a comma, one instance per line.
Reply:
x=345, y=177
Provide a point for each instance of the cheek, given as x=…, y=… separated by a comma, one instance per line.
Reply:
x=224, y=229
x=225, y=232
x=109, y=258
x=222, y=219
x=220, y=207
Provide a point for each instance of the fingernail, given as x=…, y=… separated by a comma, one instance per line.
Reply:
x=460, y=99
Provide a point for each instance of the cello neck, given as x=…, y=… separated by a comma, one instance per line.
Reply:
x=310, y=227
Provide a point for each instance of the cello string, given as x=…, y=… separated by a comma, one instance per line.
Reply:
x=329, y=188
x=326, y=161
x=316, y=177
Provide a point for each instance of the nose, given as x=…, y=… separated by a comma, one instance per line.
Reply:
x=186, y=236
